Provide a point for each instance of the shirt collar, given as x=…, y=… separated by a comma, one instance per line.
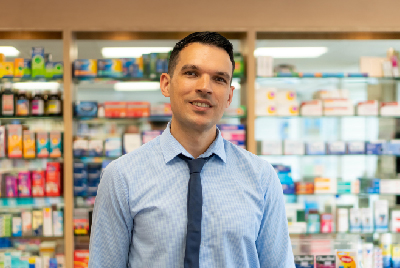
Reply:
x=170, y=147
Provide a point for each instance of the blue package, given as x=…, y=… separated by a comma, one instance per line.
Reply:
x=316, y=148
x=27, y=68
x=86, y=108
x=86, y=68
x=336, y=147
x=374, y=147
x=53, y=263
x=109, y=68
x=391, y=148
x=81, y=190
x=304, y=261
x=357, y=75
x=80, y=146
x=80, y=179
x=130, y=68
x=333, y=75
x=356, y=147
x=288, y=188
x=307, y=75
x=223, y=127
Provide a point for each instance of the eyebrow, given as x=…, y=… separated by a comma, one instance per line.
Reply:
x=195, y=67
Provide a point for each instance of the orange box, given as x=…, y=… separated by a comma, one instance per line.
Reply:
x=115, y=109
x=81, y=258
x=19, y=67
x=29, y=144
x=137, y=109
x=14, y=141
x=304, y=187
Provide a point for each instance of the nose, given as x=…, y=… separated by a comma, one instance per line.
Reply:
x=204, y=85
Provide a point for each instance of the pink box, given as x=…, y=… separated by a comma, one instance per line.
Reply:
x=326, y=223
x=11, y=186
x=24, y=184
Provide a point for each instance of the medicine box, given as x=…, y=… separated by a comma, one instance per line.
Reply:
x=131, y=142
x=395, y=219
x=263, y=109
x=3, y=141
x=311, y=108
x=14, y=141
x=80, y=146
x=58, y=223
x=304, y=261
x=8, y=69
x=132, y=67
x=389, y=186
x=42, y=144
x=18, y=67
x=367, y=222
x=313, y=223
x=27, y=68
x=356, y=147
x=137, y=109
x=374, y=147
x=265, y=95
x=304, y=187
x=38, y=63
x=287, y=109
x=149, y=135
x=326, y=223
x=370, y=186
x=396, y=256
x=86, y=109
x=265, y=66
x=24, y=184
x=11, y=185
x=56, y=144
x=325, y=185
x=80, y=179
x=38, y=183
x=336, y=147
x=285, y=97
x=113, y=147
x=325, y=261
x=390, y=109
x=95, y=148
x=316, y=148
x=85, y=68
x=53, y=179
x=47, y=222
x=391, y=148
x=17, y=226
x=368, y=108
x=115, y=109
x=355, y=220
x=26, y=217
x=270, y=147
x=346, y=258
x=381, y=214
x=161, y=109
x=109, y=68
x=37, y=223
x=29, y=144
x=342, y=220
x=58, y=70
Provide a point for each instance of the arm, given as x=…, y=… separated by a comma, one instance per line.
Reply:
x=273, y=242
x=112, y=222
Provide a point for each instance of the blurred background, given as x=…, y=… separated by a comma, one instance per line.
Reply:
x=316, y=96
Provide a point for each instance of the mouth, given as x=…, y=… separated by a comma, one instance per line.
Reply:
x=201, y=105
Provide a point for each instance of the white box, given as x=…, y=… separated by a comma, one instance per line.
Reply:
x=331, y=94
x=339, y=111
x=265, y=95
x=47, y=222
x=265, y=109
x=367, y=222
x=390, y=108
x=356, y=147
x=131, y=142
x=288, y=109
x=271, y=147
x=342, y=225
x=396, y=221
x=336, y=147
x=389, y=186
x=381, y=215
x=311, y=108
x=368, y=108
x=265, y=66
x=286, y=97
x=372, y=66
x=293, y=147
x=355, y=220
x=316, y=148
x=325, y=185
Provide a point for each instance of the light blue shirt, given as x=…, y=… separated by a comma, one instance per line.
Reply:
x=140, y=216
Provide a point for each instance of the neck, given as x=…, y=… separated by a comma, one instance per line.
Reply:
x=194, y=141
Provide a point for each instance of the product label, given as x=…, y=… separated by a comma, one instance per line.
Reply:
x=37, y=107
x=23, y=107
x=54, y=106
x=8, y=105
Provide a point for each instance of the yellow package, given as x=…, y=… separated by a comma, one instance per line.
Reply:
x=29, y=144
x=346, y=258
x=19, y=67
x=8, y=69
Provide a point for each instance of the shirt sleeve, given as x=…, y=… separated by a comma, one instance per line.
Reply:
x=112, y=223
x=273, y=242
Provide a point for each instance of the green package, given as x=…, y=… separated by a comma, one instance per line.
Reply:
x=239, y=65
x=38, y=64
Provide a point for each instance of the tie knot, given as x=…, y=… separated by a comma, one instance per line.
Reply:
x=195, y=165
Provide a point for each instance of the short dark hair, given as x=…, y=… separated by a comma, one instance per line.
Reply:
x=207, y=38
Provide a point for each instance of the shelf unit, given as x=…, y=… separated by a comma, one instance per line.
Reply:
x=69, y=38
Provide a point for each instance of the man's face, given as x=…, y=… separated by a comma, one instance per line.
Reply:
x=200, y=89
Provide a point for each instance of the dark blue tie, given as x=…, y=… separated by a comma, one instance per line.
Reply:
x=194, y=211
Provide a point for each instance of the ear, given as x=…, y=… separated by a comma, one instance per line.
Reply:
x=230, y=96
x=165, y=84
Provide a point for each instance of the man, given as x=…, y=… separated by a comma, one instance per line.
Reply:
x=152, y=208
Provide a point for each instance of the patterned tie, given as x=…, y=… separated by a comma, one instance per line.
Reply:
x=194, y=211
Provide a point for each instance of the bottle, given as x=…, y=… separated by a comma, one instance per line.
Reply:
x=53, y=104
x=37, y=104
x=386, y=246
x=7, y=101
x=22, y=104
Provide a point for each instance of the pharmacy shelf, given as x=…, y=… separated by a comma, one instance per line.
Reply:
x=339, y=194
x=96, y=157
x=35, y=118
x=342, y=233
x=294, y=76
x=328, y=116
x=112, y=80
x=41, y=238
x=57, y=159
x=21, y=79
x=324, y=155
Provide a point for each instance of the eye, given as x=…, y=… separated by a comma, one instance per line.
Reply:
x=220, y=79
x=190, y=73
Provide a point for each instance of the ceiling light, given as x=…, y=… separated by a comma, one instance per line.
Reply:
x=137, y=86
x=290, y=52
x=131, y=52
x=37, y=86
x=9, y=51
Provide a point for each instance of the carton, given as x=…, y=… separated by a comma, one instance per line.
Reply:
x=38, y=63
x=342, y=225
x=381, y=214
x=17, y=226
x=270, y=147
x=131, y=142
x=137, y=109
x=80, y=146
x=14, y=141
x=11, y=185
x=113, y=147
x=355, y=220
x=368, y=108
x=115, y=109
x=47, y=222
x=304, y=261
x=38, y=183
x=37, y=222
x=311, y=108
x=58, y=223
x=86, y=109
x=85, y=68
x=19, y=67
x=109, y=68
x=56, y=146
x=3, y=141
x=95, y=148
x=26, y=217
x=24, y=184
x=53, y=179
x=315, y=148
x=29, y=144
x=346, y=258
x=27, y=72
x=42, y=144
x=8, y=69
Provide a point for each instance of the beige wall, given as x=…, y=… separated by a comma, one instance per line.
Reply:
x=266, y=15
